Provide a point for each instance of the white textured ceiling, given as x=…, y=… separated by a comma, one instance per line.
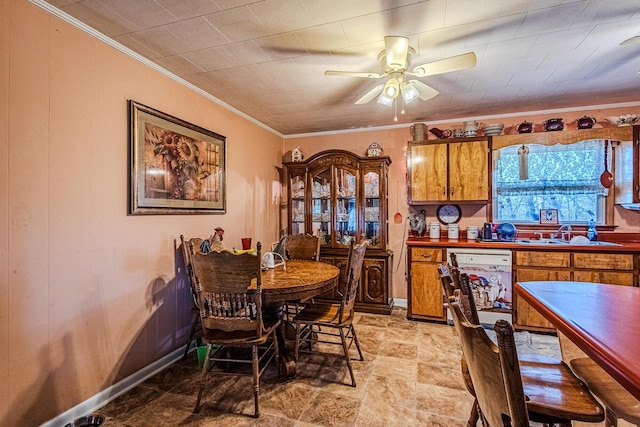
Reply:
x=267, y=58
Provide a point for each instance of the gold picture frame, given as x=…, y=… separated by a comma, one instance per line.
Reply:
x=175, y=167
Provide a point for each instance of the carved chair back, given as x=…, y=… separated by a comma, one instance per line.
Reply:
x=494, y=370
x=223, y=280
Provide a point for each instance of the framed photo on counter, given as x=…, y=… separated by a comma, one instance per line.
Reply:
x=548, y=216
x=175, y=167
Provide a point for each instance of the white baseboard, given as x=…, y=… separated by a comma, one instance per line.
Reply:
x=107, y=395
x=400, y=302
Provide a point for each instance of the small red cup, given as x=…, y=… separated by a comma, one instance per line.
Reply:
x=246, y=243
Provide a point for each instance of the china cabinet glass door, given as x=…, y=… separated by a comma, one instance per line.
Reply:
x=321, y=205
x=372, y=207
x=297, y=185
x=346, y=206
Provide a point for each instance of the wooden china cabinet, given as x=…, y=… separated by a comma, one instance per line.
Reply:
x=338, y=196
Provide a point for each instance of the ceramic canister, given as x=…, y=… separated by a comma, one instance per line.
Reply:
x=471, y=128
x=418, y=131
x=472, y=232
x=434, y=230
x=453, y=231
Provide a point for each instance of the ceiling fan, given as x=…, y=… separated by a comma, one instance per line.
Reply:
x=394, y=61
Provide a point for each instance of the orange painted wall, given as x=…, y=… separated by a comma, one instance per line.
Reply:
x=394, y=142
x=90, y=295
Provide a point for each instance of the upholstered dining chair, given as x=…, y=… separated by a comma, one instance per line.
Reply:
x=231, y=316
x=317, y=322
x=574, y=403
x=196, y=325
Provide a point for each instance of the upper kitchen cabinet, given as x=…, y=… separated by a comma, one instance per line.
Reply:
x=441, y=171
x=341, y=196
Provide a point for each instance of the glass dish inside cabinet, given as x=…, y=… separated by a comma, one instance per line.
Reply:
x=346, y=206
x=321, y=206
x=297, y=204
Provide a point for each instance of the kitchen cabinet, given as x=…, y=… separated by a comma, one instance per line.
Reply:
x=612, y=268
x=441, y=172
x=425, y=293
x=340, y=196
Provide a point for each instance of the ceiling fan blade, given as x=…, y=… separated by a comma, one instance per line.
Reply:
x=370, y=95
x=397, y=50
x=353, y=74
x=630, y=41
x=425, y=92
x=446, y=65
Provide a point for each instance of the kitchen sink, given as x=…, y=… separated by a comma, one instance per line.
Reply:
x=544, y=242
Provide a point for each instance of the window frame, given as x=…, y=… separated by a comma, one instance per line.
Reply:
x=614, y=135
x=603, y=202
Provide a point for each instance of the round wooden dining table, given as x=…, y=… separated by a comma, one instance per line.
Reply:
x=294, y=281
x=297, y=280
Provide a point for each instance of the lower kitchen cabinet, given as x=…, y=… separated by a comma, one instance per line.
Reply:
x=529, y=266
x=425, y=294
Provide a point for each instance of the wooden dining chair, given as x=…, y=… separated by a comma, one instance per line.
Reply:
x=618, y=402
x=575, y=403
x=302, y=246
x=446, y=273
x=494, y=370
x=317, y=321
x=195, y=332
x=231, y=316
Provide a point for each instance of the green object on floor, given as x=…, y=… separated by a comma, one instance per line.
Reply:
x=202, y=353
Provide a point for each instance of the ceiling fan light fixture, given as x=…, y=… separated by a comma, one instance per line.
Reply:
x=396, y=48
x=409, y=92
x=391, y=88
x=385, y=100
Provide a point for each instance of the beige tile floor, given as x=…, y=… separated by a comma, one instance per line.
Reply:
x=410, y=376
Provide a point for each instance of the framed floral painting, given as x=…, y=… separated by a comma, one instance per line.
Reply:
x=175, y=167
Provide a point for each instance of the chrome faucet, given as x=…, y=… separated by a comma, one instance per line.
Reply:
x=562, y=235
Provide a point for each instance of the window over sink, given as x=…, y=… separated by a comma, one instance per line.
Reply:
x=562, y=177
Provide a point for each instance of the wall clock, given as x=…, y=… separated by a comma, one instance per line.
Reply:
x=448, y=214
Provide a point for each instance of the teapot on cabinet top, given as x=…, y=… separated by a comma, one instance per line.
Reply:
x=525, y=127
x=585, y=122
x=553, y=125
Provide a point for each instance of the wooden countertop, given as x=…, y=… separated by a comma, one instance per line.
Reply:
x=627, y=246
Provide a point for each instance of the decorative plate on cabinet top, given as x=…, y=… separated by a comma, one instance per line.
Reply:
x=626, y=120
x=493, y=129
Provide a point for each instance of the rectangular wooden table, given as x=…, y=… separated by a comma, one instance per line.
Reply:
x=602, y=320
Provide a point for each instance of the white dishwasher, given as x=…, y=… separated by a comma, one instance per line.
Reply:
x=489, y=273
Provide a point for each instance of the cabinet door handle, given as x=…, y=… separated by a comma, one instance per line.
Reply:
x=444, y=191
x=566, y=279
x=425, y=256
x=452, y=190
